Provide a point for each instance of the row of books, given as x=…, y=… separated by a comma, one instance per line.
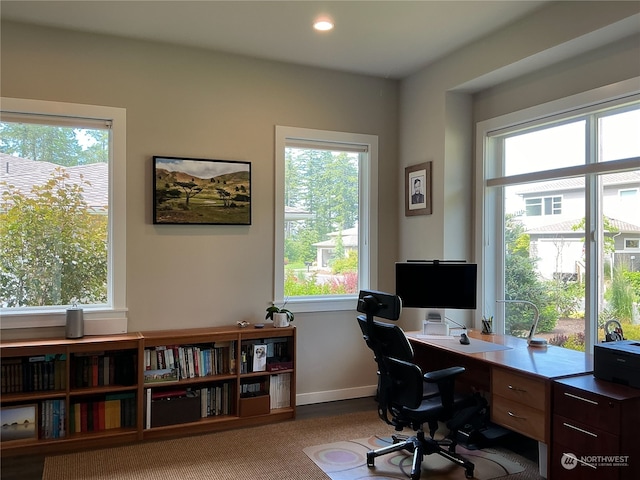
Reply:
x=117, y=410
x=185, y=405
x=33, y=374
x=280, y=390
x=192, y=361
x=52, y=419
x=101, y=369
x=254, y=388
x=215, y=400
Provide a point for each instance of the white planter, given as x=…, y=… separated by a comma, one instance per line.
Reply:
x=280, y=320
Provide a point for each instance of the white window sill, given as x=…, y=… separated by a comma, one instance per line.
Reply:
x=96, y=321
x=320, y=304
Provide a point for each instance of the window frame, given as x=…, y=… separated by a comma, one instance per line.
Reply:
x=367, y=215
x=489, y=204
x=111, y=318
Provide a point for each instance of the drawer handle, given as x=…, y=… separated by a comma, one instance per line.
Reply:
x=581, y=398
x=516, y=389
x=573, y=427
x=511, y=414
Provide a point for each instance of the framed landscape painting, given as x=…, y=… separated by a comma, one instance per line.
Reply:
x=18, y=423
x=194, y=191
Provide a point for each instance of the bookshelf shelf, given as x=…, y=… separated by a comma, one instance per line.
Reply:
x=91, y=392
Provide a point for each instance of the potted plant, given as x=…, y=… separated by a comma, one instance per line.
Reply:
x=280, y=316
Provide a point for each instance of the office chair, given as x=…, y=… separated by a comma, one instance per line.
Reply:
x=402, y=400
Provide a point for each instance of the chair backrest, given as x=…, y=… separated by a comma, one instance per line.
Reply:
x=406, y=383
x=385, y=339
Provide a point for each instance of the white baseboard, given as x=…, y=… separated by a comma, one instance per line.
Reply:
x=333, y=395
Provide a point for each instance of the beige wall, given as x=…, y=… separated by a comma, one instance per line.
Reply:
x=195, y=103
x=560, y=50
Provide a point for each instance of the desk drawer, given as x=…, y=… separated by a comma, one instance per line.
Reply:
x=526, y=390
x=518, y=417
x=584, y=439
x=601, y=412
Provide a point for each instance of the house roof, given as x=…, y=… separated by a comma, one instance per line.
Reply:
x=565, y=227
x=577, y=183
x=349, y=239
x=24, y=174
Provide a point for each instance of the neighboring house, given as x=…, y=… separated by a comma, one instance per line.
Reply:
x=325, y=250
x=23, y=174
x=294, y=214
x=550, y=210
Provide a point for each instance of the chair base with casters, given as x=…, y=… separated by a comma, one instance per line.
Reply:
x=405, y=379
x=420, y=446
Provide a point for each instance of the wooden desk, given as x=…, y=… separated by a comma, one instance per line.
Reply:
x=518, y=378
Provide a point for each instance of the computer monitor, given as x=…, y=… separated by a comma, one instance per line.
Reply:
x=437, y=284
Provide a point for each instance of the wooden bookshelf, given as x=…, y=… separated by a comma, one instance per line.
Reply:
x=91, y=392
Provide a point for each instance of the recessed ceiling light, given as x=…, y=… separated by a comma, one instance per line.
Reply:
x=323, y=24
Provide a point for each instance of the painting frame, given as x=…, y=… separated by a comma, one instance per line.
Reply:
x=418, y=189
x=201, y=191
x=12, y=422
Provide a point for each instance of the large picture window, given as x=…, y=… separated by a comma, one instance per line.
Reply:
x=61, y=227
x=324, y=217
x=556, y=219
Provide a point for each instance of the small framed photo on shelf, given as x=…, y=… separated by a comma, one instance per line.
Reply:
x=417, y=187
x=164, y=375
x=193, y=191
x=18, y=423
x=259, y=358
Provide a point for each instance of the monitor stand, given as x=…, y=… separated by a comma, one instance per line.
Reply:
x=434, y=324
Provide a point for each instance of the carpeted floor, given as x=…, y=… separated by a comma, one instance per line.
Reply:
x=270, y=452
x=348, y=461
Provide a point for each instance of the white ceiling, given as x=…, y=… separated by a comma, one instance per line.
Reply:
x=390, y=39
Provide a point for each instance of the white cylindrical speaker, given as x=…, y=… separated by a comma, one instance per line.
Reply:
x=75, y=323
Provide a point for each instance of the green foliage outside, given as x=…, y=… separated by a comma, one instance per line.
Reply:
x=633, y=278
x=522, y=283
x=344, y=265
x=325, y=185
x=303, y=285
x=54, y=247
x=58, y=145
x=621, y=295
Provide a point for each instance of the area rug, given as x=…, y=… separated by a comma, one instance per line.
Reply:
x=348, y=461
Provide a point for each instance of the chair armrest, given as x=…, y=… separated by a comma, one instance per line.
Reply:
x=438, y=375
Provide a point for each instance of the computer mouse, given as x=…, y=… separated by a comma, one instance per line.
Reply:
x=464, y=339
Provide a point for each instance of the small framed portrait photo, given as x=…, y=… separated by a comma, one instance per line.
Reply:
x=417, y=179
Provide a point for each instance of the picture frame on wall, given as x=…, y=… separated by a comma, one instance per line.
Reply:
x=18, y=423
x=418, y=186
x=197, y=191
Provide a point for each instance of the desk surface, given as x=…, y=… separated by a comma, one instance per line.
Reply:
x=547, y=362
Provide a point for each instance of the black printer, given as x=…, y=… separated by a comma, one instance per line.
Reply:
x=618, y=362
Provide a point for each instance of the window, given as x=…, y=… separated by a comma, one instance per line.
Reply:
x=632, y=243
x=62, y=213
x=558, y=200
x=325, y=217
x=543, y=206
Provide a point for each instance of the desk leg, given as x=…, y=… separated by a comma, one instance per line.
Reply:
x=542, y=459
